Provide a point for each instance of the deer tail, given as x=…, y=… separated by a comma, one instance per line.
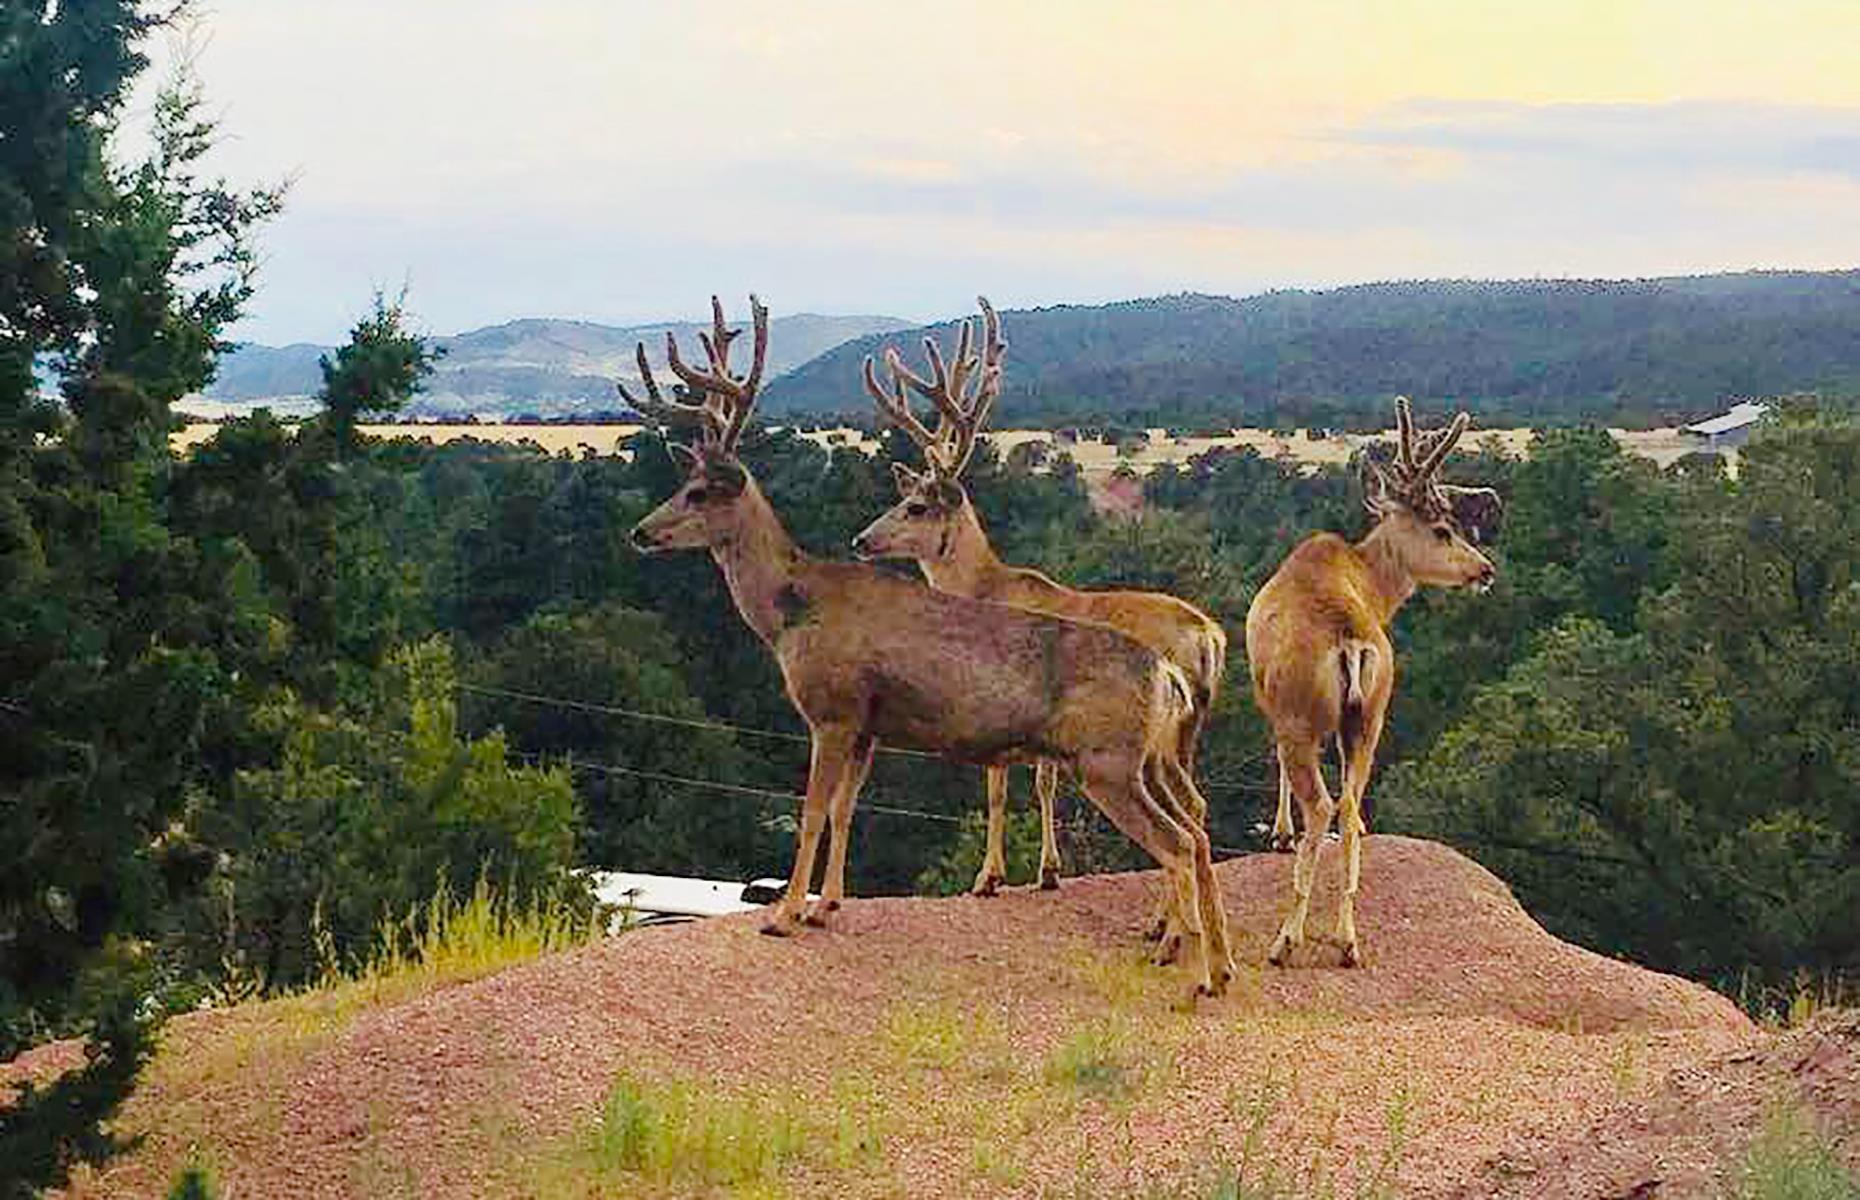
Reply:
x=1213, y=661
x=1356, y=661
x=1178, y=687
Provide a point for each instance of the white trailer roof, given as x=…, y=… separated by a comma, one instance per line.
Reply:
x=675, y=895
x=1740, y=415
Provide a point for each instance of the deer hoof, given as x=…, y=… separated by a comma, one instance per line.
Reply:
x=816, y=914
x=1352, y=955
x=1049, y=879
x=1167, y=950
x=1283, y=843
x=780, y=926
x=1280, y=952
x=1211, y=987
x=986, y=885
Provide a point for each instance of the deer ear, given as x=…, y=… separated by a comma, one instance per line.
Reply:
x=1378, y=491
x=949, y=494
x=727, y=475
x=906, y=479
x=1476, y=510
x=683, y=457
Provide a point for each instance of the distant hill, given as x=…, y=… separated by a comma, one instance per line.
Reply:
x=1638, y=352
x=532, y=365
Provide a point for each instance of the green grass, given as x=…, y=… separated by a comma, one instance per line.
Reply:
x=1095, y=1061
x=671, y=1138
x=446, y=940
x=194, y=1182
x=1790, y=1160
x=1793, y=1004
x=936, y=1036
x=443, y=942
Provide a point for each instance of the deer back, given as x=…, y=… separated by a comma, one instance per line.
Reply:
x=978, y=681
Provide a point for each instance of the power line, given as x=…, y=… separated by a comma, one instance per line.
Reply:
x=734, y=788
x=1227, y=782
x=688, y=722
x=921, y=815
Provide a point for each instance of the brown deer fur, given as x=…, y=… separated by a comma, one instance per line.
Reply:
x=1322, y=664
x=935, y=523
x=869, y=658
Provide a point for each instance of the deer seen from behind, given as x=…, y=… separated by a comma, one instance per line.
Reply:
x=868, y=657
x=1322, y=664
x=935, y=524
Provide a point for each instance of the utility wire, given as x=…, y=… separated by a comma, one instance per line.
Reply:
x=725, y=727
x=688, y=722
x=733, y=788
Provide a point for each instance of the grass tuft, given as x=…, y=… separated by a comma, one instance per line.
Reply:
x=1790, y=1160
x=928, y=1035
x=1793, y=1004
x=447, y=940
x=1095, y=1061
x=677, y=1137
x=195, y=1182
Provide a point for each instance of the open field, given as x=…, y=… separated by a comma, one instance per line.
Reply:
x=1093, y=457
x=964, y=1047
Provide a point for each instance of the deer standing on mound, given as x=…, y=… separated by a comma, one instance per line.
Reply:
x=869, y=657
x=934, y=523
x=1318, y=648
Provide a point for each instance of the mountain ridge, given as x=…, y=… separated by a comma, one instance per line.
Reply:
x=1629, y=351
x=1636, y=352
x=547, y=365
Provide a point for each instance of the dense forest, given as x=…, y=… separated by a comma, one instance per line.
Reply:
x=1639, y=353
x=258, y=698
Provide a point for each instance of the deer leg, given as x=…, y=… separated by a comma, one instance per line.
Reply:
x=1167, y=926
x=826, y=766
x=1046, y=787
x=1180, y=784
x=1300, y=763
x=1284, y=834
x=994, y=859
x=1188, y=746
x=1359, y=761
x=1194, y=807
x=1115, y=784
x=845, y=795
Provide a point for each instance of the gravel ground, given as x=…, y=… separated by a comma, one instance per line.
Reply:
x=1473, y=1055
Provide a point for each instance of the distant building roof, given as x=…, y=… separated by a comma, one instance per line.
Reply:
x=670, y=894
x=1747, y=413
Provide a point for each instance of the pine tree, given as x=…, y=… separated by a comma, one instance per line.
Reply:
x=116, y=283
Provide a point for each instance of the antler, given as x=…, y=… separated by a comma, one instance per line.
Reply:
x=1416, y=465
x=728, y=400
x=962, y=412
x=655, y=407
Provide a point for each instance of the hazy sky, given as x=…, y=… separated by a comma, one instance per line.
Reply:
x=619, y=161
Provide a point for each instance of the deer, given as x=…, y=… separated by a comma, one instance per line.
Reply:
x=1320, y=658
x=935, y=524
x=869, y=657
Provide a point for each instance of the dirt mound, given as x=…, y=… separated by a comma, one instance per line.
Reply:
x=1446, y=937
x=1676, y=1142
x=1468, y=1024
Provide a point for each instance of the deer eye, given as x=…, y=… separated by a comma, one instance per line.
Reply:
x=916, y=508
x=1443, y=533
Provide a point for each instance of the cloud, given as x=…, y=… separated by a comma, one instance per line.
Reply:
x=621, y=162
x=1693, y=135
